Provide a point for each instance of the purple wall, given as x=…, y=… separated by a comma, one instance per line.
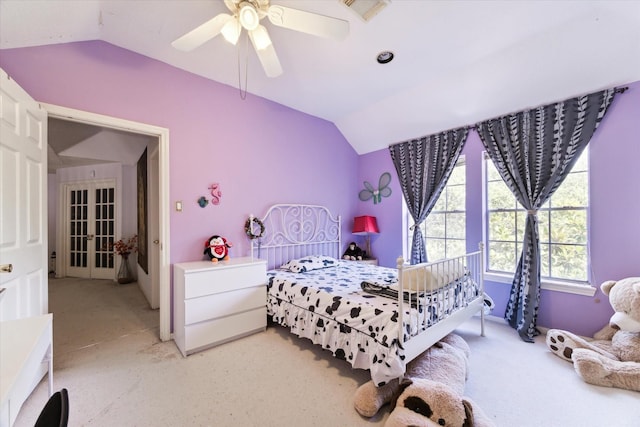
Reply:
x=614, y=216
x=386, y=246
x=259, y=151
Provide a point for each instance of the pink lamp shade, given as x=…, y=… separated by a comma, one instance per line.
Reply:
x=365, y=225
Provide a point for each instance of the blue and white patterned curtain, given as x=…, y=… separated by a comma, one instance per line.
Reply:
x=534, y=151
x=424, y=166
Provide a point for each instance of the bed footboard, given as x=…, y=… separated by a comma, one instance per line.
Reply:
x=446, y=293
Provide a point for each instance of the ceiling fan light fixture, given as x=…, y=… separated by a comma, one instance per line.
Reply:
x=231, y=31
x=248, y=16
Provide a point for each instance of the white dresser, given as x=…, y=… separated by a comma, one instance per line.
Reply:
x=26, y=353
x=218, y=302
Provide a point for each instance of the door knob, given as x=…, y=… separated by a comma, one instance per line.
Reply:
x=155, y=242
x=6, y=268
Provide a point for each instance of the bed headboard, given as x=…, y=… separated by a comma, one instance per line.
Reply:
x=294, y=231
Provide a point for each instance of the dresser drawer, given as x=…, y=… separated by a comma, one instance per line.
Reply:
x=224, y=304
x=217, y=331
x=224, y=278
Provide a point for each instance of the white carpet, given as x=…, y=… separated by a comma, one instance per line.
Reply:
x=524, y=384
x=121, y=375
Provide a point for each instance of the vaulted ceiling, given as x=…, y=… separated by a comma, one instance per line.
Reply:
x=456, y=62
x=79, y=144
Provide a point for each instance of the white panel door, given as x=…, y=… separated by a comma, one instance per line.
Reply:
x=153, y=234
x=23, y=208
x=90, y=218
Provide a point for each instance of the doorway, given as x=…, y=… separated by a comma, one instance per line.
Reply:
x=158, y=278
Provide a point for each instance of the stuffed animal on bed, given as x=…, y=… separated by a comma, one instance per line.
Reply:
x=353, y=252
x=217, y=248
x=431, y=392
x=612, y=357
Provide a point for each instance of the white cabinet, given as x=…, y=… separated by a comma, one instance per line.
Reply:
x=25, y=356
x=218, y=302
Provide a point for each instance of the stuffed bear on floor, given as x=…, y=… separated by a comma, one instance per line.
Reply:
x=612, y=357
x=431, y=392
x=353, y=252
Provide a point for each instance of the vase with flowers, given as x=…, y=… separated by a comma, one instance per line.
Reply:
x=124, y=248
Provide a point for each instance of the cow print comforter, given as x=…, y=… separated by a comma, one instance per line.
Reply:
x=329, y=307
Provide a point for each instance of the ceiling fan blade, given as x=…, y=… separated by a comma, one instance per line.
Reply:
x=260, y=38
x=201, y=34
x=231, y=5
x=266, y=53
x=307, y=22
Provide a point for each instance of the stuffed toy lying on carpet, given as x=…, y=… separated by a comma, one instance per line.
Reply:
x=431, y=393
x=612, y=357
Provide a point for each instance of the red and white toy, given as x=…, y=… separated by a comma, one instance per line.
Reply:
x=217, y=248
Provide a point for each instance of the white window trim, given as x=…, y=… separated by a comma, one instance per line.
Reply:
x=549, y=285
x=406, y=216
x=586, y=288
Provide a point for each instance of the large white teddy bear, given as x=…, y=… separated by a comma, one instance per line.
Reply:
x=612, y=357
x=431, y=393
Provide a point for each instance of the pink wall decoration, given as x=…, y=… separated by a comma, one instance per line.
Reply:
x=216, y=193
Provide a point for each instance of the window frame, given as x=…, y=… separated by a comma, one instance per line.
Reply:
x=581, y=287
x=408, y=220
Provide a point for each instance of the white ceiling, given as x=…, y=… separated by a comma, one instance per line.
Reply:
x=457, y=62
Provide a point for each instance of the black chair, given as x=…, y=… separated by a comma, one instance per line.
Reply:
x=56, y=412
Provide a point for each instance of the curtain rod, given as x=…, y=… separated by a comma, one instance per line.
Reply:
x=474, y=127
x=615, y=90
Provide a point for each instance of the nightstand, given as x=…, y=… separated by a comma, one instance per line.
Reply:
x=218, y=302
x=372, y=261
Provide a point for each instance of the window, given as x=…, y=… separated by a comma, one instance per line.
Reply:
x=445, y=227
x=562, y=226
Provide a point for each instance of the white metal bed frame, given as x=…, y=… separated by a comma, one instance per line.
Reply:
x=294, y=230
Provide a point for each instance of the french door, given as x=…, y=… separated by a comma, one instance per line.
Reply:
x=90, y=229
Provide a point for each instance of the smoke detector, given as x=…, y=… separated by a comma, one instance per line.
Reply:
x=367, y=9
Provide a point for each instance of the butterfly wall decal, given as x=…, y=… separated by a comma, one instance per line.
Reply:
x=377, y=194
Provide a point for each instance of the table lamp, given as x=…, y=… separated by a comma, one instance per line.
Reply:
x=365, y=226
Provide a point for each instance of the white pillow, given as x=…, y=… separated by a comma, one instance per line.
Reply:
x=432, y=277
x=309, y=263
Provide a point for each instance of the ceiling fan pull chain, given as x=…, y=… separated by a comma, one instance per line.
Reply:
x=243, y=94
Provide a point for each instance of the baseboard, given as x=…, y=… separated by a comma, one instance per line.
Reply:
x=501, y=320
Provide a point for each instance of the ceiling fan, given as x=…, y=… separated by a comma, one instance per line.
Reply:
x=247, y=14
